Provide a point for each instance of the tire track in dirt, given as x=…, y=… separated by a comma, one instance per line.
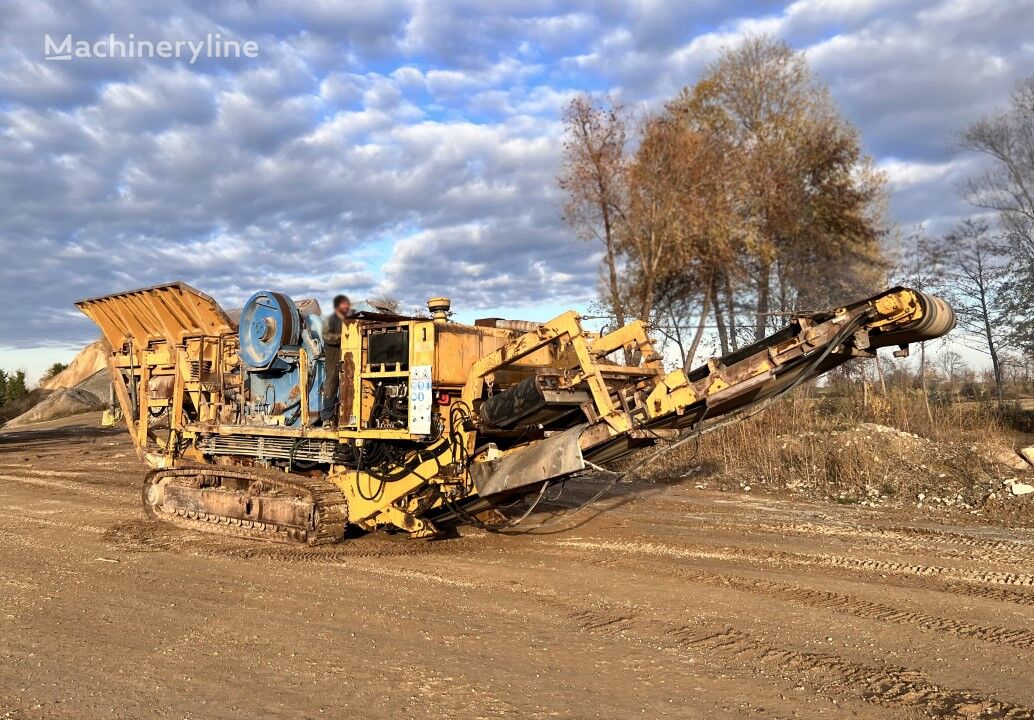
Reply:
x=82, y=488
x=958, y=538
x=726, y=553
x=982, y=592
x=346, y=555
x=885, y=613
x=838, y=526
x=881, y=684
x=896, y=541
x=58, y=506
x=144, y=535
x=879, y=612
x=885, y=685
x=831, y=673
x=990, y=593
x=63, y=524
x=43, y=472
x=591, y=620
x=951, y=544
x=845, y=604
x=140, y=535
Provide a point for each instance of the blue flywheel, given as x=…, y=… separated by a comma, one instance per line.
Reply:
x=269, y=321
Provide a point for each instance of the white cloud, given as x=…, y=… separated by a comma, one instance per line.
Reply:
x=903, y=173
x=411, y=145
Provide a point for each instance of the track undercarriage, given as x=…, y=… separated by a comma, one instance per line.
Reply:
x=247, y=502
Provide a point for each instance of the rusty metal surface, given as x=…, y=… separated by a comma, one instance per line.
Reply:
x=554, y=457
x=534, y=400
x=458, y=347
x=287, y=511
x=519, y=325
x=491, y=386
x=938, y=318
x=160, y=388
x=248, y=502
x=162, y=312
x=346, y=391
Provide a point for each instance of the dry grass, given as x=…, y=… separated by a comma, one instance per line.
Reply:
x=855, y=447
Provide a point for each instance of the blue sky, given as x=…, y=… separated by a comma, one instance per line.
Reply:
x=409, y=147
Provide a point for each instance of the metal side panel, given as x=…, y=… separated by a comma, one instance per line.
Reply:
x=554, y=457
x=163, y=312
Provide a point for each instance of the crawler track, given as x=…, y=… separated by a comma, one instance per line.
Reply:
x=318, y=510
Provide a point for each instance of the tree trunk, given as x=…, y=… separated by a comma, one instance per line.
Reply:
x=730, y=303
x=649, y=261
x=992, y=350
x=996, y=366
x=676, y=331
x=783, y=294
x=723, y=333
x=705, y=308
x=879, y=372
x=764, y=283
x=922, y=381
x=612, y=270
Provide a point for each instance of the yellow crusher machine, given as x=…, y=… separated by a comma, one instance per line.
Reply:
x=436, y=421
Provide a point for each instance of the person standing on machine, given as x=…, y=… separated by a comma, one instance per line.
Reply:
x=332, y=358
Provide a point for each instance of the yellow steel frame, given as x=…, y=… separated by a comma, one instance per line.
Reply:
x=160, y=331
x=565, y=333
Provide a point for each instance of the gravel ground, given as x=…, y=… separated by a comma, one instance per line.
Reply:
x=664, y=601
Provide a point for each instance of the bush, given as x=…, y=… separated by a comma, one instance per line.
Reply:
x=14, y=387
x=54, y=370
x=854, y=445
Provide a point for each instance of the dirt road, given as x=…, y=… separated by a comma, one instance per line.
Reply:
x=674, y=603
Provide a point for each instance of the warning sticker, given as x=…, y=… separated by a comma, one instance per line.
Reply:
x=420, y=400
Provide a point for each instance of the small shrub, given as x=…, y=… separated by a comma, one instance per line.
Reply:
x=855, y=446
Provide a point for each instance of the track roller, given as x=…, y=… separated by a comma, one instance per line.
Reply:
x=247, y=502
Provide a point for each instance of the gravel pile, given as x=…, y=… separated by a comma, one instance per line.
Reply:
x=870, y=465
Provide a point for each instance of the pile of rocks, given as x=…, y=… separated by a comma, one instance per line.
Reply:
x=1017, y=488
x=875, y=465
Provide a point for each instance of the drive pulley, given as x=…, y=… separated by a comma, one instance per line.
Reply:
x=269, y=322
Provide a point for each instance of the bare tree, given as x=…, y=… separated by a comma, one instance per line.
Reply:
x=974, y=268
x=674, y=233
x=1006, y=139
x=652, y=228
x=1007, y=187
x=923, y=269
x=953, y=367
x=386, y=303
x=593, y=176
x=682, y=311
x=747, y=197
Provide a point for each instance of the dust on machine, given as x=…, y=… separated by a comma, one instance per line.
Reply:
x=279, y=424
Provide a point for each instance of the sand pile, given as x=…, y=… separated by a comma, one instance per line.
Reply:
x=84, y=386
x=22, y=405
x=60, y=403
x=86, y=364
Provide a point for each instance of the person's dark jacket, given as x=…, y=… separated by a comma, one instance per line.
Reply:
x=332, y=331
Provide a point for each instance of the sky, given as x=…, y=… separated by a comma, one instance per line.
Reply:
x=408, y=147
